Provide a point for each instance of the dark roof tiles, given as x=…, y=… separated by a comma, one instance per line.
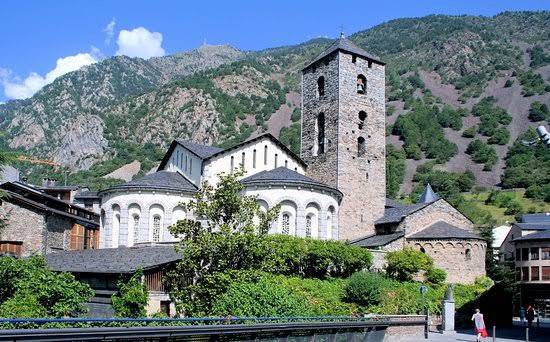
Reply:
x=202, y=151
x=344, y=44
x=396, y=214
x=373, y=241
x=444, y=230
x=534, y=226
x=112, y=260
x=542, y=235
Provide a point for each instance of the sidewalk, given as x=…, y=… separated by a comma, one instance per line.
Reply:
x=509, y=334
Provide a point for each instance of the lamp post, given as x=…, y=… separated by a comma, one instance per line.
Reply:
x=423, y=290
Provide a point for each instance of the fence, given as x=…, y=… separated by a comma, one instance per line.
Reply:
x=333, y=328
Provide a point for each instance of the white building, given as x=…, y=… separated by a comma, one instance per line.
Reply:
x=141, y=211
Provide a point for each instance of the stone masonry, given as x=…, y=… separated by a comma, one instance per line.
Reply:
x=22, y=224
x=361, y=178
x=437, y=211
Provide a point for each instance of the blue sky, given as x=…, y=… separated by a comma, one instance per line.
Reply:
x=37, y=34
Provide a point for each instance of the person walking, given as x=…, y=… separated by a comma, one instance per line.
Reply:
x=522, y=315
x=479, y=323
x=530, y=315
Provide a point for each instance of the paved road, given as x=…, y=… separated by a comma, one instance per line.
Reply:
x=503, y=335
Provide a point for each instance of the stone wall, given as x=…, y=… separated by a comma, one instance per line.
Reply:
x=437, y=211
x=452, y=256
x=58, y=233
x=22, y=224
x=361, y=178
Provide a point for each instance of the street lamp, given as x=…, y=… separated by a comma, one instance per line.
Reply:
x=423, y=290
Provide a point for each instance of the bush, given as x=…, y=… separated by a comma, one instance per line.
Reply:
x=365, y=288
x=316, y=258
x=290, y=136
x=532, y=83
x=395, y=169
x=470, y=132
x=405, y=264
x=296, y=115
x=436, y=276
x=480, y=152
x=132, y=297
x=264, y=298
x=539, y=112
x=501, y=136
x=508, y=83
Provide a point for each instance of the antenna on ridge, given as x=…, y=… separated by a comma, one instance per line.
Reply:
x=342, y=35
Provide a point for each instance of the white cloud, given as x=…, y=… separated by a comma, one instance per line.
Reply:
x=140, y=42
x=109, y=31
x=15, y=88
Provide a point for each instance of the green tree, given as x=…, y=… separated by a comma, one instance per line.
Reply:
x=405, y=264
x=395, y=169
x=365, y=288
x=132, y=297
x=539, y=112
x=230, y=235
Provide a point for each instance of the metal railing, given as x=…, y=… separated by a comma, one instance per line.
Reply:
x=188, y=328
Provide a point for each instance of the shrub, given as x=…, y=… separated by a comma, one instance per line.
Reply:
x=539, y=112
x=480, y=152
x=470, y=132
x=538, y=57
x=436, y=276
x=364, y=288
x=405, y=264
x=395, y=169
x=264, y=298
x=296, y=115
x=132, y=297
x=532, y=83
x=501, y=136
x=508, y=83
x=290, y=136
x=448, y=117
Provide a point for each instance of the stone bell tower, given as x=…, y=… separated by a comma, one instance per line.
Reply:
x=343, y=132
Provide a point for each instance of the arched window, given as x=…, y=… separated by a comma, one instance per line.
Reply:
x=286, y=163
x=308, y=226
x=276, y=157
x=156, y=228
x=362, y=118
x=361, y=84
x=330, y=222
x=115, y=225
x=232, y=163
x=135, y=228
x=422, y=250
x=242, y=160
x=254, y=158
x=321, y=86
x=361, y=149
x=265, y=155
x=468, y=254
x=320, y=128
x=285, y=229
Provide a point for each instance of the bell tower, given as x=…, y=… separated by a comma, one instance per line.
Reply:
x=343, y=132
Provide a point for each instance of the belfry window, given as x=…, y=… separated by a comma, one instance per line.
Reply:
x=468, y=254
x=321, y=86
x=320, y=128
x=232, y=163
x=254, y=159
x=361, y=84
x=156, y=228
x=361, y=149
x=136, y=228
x=308, y=226
x=242, y=160
x=362, y=118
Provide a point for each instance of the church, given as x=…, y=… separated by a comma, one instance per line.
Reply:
x=335, y=189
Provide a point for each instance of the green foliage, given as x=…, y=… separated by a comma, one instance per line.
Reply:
x=419, y=131
x=296, y=115
x=508, y=83
x=395, y=169
x=265, y=298
x=436, y=276
x=449, y=117
x=480, y=152
x=365, y=288
x=539, y=112
x=538, y=57
x=315, y=258
x=501, y=136
x=447, y=184
x=470, y=132
x=491, y=117
x=132, y=297
x=532, y=83
x=527, y=166
x=291, y=137
x=405, y=264
x=28, y=288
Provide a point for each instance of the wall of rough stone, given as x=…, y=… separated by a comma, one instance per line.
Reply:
x=450, y=255
x=437, y=211
x=362, y=178
x=57, y=235
x=22, y=224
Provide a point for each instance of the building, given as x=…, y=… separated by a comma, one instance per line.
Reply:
x=531, y=246
x=35, y=222
x=529, y=224
x=334, y=190
x=102, y=269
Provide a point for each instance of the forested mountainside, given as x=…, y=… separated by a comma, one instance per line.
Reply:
x=461, y=91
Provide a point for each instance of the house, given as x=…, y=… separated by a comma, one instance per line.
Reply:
x=35, y=222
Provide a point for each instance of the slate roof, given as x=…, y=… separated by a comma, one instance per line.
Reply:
x=202, y=151
x=539, y=217
x=534, y=226
x=396, y=214
x=392, y=203
x=428, y=196
x=87, y=194
x=112, y=260
x=162, y=180
x=373, y=241
x=285, y=176
x=344, y=44
x=443, y=230
x=543, y=235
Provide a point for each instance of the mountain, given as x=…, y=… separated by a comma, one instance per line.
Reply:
x=450, y=80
